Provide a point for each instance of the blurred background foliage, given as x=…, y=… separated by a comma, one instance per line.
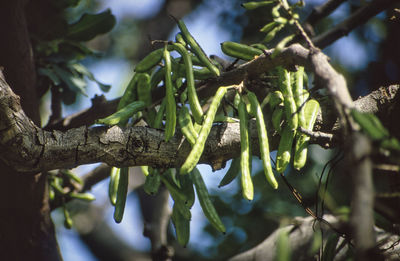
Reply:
x=368, y=57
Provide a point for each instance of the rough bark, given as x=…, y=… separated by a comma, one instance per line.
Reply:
x=301, y=237
x=31, y=149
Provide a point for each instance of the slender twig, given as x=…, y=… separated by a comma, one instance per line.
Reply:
x=304, y=34
x=322, y=11
x=319, y=137
x=308, y=210
x=56, y=110
x=359, y=17
x=95, y=176
x=100, y=108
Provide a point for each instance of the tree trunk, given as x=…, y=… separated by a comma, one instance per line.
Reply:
x=26, y=230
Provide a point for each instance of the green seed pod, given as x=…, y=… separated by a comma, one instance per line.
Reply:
x=290, y=105
x=254, y=5
x=232, y=173
x=205, y=201
x=240, y=51
x=171, y=104
x=284, y=148
x=245, y=153
x=192, y=94
x=198, y=147
x=310, y=109
x=123, y=115
x=179, y=39
x=151, y=60
x=113, y=185
x=186, y=125
x=272, y=33
x=263, y=140
x=276, y=120
x=182, y=226
x=121, y=195
x=268, y=27
x=195, y=47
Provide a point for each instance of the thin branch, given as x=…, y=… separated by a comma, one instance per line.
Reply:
x=56, y=110
x=318, y=137
x=359, y=17
x=95, y=176
x=99, y=237
x=322, y=11
x=28, y=148
x=325, y=76
x=314, y=61
x=100, y=108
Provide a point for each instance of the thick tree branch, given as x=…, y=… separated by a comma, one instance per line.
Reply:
x=156, y=215
x=301, y=236
x=362, y=218
x=358, y=18
x=29, y=148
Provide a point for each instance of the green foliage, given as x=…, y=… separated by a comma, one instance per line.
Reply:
x=371, y=125
x=91, y=25
x=62, y=187
x=60, y=48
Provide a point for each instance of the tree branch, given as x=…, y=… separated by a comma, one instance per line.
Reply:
x=362, y=216
x=301, y=236
x=100, y=108
x=95, y=176
x=322, y=11
x=358, y=18
x=156, y=215
x=98, y=236
x=28, y=148
x=315, y=62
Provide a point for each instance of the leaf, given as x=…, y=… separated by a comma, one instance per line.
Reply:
x=50, y=74
x=74, y=83
x=330, y=247
x=91, y=25
x=370, y=124
x=71, y=50
x=80, y=68
x=391, y=144
x=63, y=4
x=282, y=45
